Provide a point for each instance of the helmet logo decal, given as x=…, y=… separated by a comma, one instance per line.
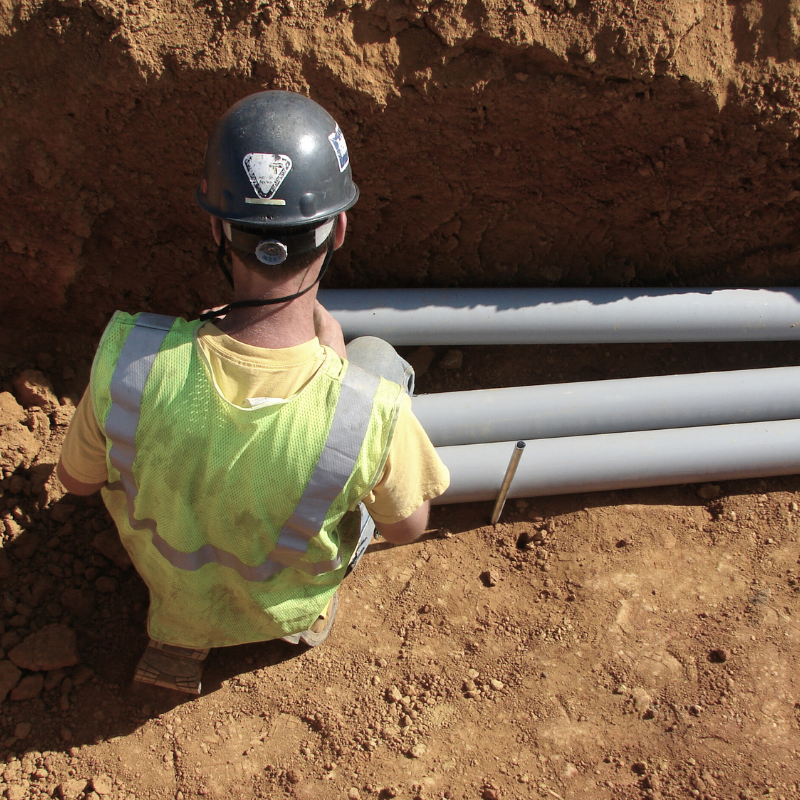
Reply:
x=266, y=172
x=340, y=148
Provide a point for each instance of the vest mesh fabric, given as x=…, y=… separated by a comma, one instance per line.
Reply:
x=208, y=472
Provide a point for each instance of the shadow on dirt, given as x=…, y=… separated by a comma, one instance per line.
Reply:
x=461, y=518
x=61, y=569
x=65, y=571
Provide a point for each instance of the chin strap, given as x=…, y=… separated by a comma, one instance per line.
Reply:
x=221, y=312
x=221, y=261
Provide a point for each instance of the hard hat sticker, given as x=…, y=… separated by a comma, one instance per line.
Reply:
x=340, y=148
x=266, y=172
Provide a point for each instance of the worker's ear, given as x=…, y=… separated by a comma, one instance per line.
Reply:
x=216, y=228
x=341, y=228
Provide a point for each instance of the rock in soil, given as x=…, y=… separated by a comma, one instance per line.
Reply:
x=9, y=677
x=102, y=784
x=79, y=602
x=490, y=577
x=71, y=789
x=107, y=542
x=29, y=687
x=52, y=647
x=23, y=730
x=33, y=389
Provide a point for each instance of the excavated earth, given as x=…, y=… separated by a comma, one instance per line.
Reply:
x=636, y=644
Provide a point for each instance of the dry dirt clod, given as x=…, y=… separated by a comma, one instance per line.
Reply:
x=9, y=677
x=719, y=655
x=106, y=585
x=22, y=730
x=102, y=784
x=33, y=389
x=709, y=491
x=294, y=776
x=421, y=359
x=81, y=674
x=79, y=602
x=10, y=410
x=453, y=359
x=393, y=694
x=52, y=647
x=108, y=544
x=489, y=578
x=61, y=512
x=71, y=789
x=28, y=688
x=5, y=566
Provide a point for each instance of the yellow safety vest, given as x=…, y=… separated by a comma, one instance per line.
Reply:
x=237, y=519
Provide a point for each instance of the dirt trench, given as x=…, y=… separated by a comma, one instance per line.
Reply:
x=495, y=143
x=615, y=646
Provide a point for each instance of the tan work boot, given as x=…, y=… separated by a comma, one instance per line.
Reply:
x=319, y=631
x=171, y=667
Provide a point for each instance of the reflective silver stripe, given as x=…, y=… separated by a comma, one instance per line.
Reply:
x=207, y=554
x=335, y=465
x=127, y=385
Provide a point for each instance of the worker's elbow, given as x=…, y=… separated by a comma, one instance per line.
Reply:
x=407, y=530
x=73, y=485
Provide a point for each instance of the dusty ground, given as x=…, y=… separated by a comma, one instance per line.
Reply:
x=639, y=644
x=626, y=645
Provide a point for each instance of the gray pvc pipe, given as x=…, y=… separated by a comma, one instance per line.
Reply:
x=624, y=460
x=566, y=316
x=632, y=404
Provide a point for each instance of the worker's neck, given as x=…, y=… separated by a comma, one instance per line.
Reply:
x=272, y=326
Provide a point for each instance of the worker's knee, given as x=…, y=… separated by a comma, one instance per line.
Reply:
x=379, y=357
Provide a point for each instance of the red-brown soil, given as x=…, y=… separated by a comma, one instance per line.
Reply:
x=640, y=644
x=569, y=142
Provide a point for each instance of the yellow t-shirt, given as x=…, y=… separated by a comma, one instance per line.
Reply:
x=248, y=375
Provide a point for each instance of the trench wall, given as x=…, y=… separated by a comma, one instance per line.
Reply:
x=566, y=142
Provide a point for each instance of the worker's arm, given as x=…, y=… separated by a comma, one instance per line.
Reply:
x=412, y=476
x=408, y=529
x=73, y=485
x=82, y=466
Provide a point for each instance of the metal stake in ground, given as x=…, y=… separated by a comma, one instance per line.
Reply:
x=506, y=485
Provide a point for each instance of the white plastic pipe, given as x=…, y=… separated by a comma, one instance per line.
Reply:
x=632, y=404
x=624, y=460
x=566, y=316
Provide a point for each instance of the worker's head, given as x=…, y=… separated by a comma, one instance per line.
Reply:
x=277, y=176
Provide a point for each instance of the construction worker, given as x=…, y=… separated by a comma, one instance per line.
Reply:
x=247, y=456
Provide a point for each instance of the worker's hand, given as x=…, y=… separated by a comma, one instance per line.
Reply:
x=329, y=331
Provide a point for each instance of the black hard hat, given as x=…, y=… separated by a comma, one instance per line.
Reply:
x=276, y=160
